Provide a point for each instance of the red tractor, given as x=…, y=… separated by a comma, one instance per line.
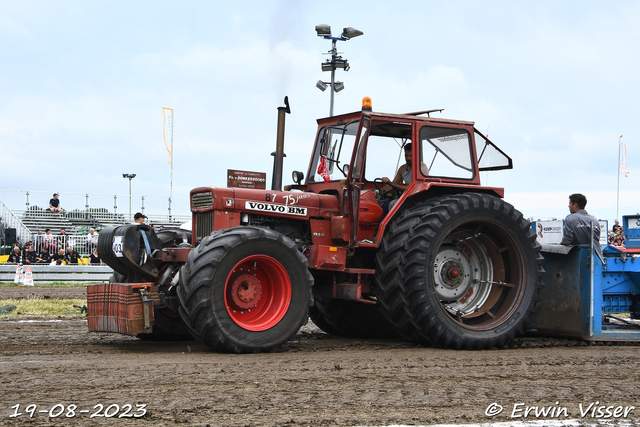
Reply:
x=450, y=264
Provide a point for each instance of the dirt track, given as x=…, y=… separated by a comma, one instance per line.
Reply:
x=315, y=380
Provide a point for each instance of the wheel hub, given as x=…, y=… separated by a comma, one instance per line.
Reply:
x=452, y=274
x=463, y=272
x=246, y=291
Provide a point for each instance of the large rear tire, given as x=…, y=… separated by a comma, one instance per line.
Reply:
x=464, y=270
x=245, y=290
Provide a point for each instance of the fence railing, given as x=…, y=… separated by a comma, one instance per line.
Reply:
x=103, y=207
x=10, y=220
x=54, y=243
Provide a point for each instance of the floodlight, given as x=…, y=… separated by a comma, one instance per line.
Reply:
x=323, y=30
x=349, y=33
x=321, y=85
x=336, y=62
x=341, y=63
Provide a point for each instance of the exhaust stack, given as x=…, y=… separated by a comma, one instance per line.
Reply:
x=278, y=161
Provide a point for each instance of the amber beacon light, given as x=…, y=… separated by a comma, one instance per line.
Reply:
x=366, y=104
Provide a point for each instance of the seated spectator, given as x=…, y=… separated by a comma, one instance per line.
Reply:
x=58, y=262
x=54, y=205
x=39, y=241
x=59, y=256
x=72, y=257
x=44, y=257
x=92, y=240
x=49, y=241
x=617, y=228
x=16, y=256
x=95, y=259
x=29, y=254
x=61, y=240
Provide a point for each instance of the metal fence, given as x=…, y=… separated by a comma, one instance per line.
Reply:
x=102, y=207
x=53, y=243
x=8, y=219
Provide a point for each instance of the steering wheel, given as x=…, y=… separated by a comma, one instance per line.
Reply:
x=394, y=193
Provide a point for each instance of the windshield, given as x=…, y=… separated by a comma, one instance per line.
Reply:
x=335, y=144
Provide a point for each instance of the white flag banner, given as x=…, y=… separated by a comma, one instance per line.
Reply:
x=623, y=157
x=167, y=131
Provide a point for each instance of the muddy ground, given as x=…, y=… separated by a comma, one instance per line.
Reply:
x=314, y=380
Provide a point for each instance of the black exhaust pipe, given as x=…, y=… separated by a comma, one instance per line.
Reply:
x=278, y=161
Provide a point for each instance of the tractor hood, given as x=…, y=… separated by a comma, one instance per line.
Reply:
x=285, y=204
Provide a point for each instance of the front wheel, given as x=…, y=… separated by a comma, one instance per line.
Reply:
x=243, y=290
x=466, y=268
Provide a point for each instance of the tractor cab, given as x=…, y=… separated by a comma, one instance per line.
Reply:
x=354, y=151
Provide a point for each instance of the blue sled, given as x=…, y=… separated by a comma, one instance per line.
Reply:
x=582, y=294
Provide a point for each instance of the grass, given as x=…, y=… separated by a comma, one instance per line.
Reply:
x=43, y=307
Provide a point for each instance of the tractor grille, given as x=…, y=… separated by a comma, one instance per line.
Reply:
x=202, y=200
x=204, y=224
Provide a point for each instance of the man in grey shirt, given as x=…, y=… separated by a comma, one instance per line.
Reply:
x=580, y=227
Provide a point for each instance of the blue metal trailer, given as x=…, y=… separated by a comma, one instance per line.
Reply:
x=585, y=297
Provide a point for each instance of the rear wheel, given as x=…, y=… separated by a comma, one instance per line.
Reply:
x=247, y=289
x=464, y=270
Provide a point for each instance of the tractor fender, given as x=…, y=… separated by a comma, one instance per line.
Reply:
x=421, y=191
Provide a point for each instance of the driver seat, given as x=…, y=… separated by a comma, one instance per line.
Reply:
x=369, y=212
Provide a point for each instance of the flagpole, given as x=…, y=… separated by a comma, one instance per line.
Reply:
x=618, y=192
x=171, y=184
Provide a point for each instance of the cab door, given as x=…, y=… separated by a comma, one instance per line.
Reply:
x=355, y=177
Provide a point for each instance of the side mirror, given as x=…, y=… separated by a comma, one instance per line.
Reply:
x=297, y=177
x=345, y=169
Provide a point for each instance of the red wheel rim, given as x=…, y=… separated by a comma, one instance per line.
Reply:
x=257, y=293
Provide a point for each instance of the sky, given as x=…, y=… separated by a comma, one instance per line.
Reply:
x=82, y=86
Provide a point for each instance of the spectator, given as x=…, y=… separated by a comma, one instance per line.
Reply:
x=44, y=257
x=16, y=256
x=54, y=205
x=617, y=228
x=72, y=257
x=62, y=239
x=49, y=240
x=618, y=240
x=92, y=240
x=94, y=258
x=39, y=241
x=138, y=218
x=580, y=228
x=29, y=254
x=59, y=256
x=58, y=262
